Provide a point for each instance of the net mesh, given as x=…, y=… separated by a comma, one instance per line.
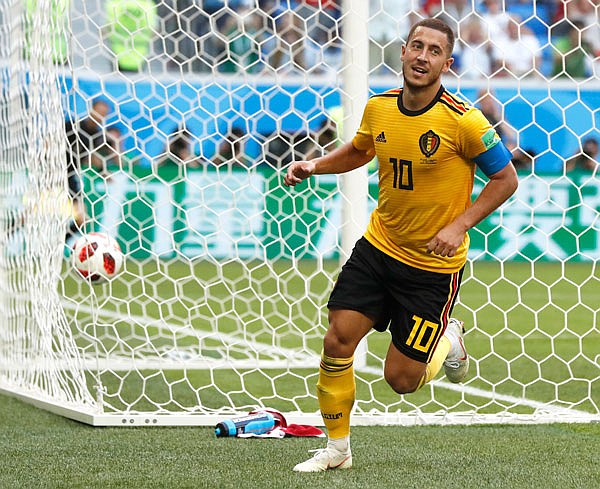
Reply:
x=39, y=353
x=166, y=124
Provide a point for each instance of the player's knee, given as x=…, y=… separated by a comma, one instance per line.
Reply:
x=346, y=329
x=401, y=383
x=336, y=345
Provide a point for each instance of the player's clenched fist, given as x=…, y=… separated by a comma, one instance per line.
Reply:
x=297, y=172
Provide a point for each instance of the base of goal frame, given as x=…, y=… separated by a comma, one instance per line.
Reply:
x=358, y=419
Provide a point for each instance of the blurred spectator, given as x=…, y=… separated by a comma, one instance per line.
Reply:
x=517, y=54
x=220, y=9
x=492, y=110
x=430, y=7
x=323, y=141
x=242, y=32
x=107, y=156
x=231, y=151
x=288, y=52
x=182, y=24
x=476, y=52
x=587, y=159
x=457, y=13
x=321, y=17
x=214, y=23
x=523, y=160
x=573, y=55
x=495, y=20
x=85, y=137
x=388, y=26
x=83, y=140
x=283, y=148
x=116, y=156
x=278, y=149
x=322, y=42
x=179, y=150
x=130, y=30
x=585, y=11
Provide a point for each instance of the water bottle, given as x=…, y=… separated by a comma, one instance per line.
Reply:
x=257, y=423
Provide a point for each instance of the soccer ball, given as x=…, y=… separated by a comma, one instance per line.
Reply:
x=97, y=257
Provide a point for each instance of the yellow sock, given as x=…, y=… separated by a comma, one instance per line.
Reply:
x=435, y=364
x=336, y=391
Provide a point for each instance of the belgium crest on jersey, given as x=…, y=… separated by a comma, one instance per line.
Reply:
x=429, y=143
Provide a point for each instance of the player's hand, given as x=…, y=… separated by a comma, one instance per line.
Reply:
x=298, y=171
x=447, y=241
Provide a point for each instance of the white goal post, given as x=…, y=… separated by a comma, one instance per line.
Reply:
x=220, y=308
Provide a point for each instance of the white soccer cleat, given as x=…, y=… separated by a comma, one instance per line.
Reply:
x=456, y=364
x=324, y=459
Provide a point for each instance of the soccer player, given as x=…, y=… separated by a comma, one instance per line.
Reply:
x=405, y=272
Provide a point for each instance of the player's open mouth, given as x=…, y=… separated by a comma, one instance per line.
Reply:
x=420, y=71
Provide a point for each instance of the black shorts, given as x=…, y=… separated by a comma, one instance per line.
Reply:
x=415, y=304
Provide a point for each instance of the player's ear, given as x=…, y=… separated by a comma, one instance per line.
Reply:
x=403, y=52
x=447, y=65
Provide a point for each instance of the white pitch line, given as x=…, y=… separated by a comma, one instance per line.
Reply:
x=286, y=355
x=475, y=391
x=295, y=357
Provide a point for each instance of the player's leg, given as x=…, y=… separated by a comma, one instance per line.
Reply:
x=336, y=388
x=402, y=373
x=357, y=298
x=456, y=362
x=424, y=337
x=406, y=375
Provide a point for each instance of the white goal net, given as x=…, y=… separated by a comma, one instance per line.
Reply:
x=166, y=124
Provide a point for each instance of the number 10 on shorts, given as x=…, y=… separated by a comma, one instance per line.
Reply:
x=422, y=334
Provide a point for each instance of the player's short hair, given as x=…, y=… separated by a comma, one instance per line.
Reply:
x=438, y=25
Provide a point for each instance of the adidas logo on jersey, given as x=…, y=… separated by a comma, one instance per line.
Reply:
x=381, y=138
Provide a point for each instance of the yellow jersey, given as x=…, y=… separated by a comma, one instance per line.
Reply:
x=426, y=172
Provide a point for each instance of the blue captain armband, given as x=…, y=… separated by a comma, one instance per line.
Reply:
x=494, y=159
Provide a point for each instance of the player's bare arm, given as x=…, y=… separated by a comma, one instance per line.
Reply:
x=498, y=189
x=340, y=160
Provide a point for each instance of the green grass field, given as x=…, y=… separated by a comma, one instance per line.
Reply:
x=41, y=450
x=548, y=355
x=532, y=333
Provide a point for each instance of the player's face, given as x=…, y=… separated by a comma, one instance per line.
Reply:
x=425, y=58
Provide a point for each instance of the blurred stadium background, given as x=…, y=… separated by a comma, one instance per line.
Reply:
x=188, y=41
